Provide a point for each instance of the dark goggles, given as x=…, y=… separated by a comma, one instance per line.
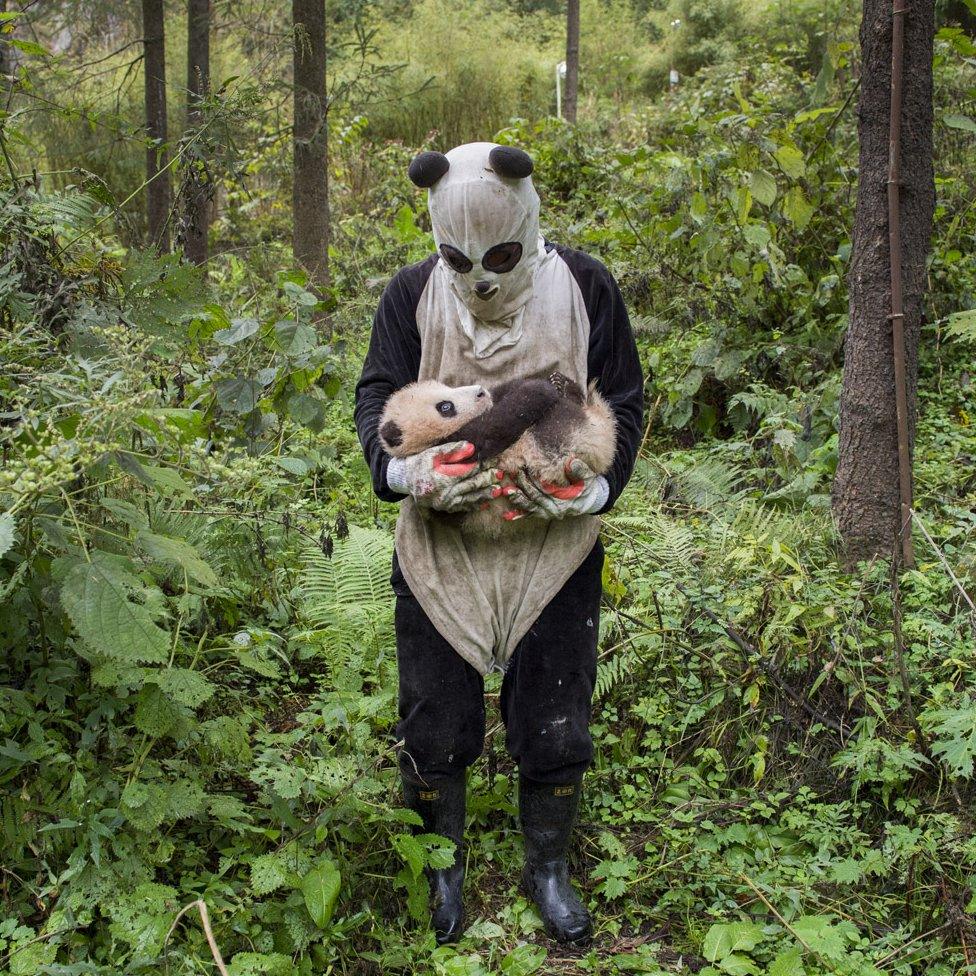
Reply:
x=498, y=259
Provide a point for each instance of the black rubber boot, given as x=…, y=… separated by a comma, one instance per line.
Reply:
x=547, y=814
x=442, y=809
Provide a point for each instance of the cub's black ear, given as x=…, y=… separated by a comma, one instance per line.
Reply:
x=427, y=168
x=508, y=161
x=391, y=433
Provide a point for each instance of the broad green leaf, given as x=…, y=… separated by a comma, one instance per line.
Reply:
x=699, y=207
x=269, y=872
x=405, y=224
x=145, y=805
x=187, y=687
x=812, y=114
x=29, y=47
x=722, y=939
x=822, y=935
x=485, y=930
x=238, y=395
x=240, y=329
x=963, y=122
x=742, y=201
x=439, y=852
x=796, y=208
x=417, y=892
x=738, y=965
x=791, y=161
x=847, y=871
x=32, y=958
x=126, y=512
x=6, y=533
x=155, y=714
x=167, y=481
x=295, y=338
x=763, y=186
x=293, y=465
x=756, y=234
x=135, y=794
x=166, y=549
x=102, y=600
x=261, y=964
x=284, y=781
x=523, y=960
x=307, y=410
x=411, y=851
x=788, y=963
x=320, y=889
x=298, y=294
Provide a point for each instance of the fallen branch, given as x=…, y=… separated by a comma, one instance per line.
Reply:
x=945, y=563
x=201, y=906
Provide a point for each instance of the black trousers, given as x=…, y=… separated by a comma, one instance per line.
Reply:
x=545, y=697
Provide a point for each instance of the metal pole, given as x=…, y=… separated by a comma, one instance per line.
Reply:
x=899, y=9
x=559, y=91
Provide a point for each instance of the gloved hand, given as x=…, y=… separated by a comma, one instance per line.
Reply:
x=442, y=478
x=586, y=493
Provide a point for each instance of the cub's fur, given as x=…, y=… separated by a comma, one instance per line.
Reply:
x=528, y=423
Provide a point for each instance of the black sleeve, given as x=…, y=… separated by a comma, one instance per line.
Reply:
x=612, y=361
x=393, y=360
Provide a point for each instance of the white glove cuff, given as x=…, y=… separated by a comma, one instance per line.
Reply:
x=601, y=492
x=396, y=476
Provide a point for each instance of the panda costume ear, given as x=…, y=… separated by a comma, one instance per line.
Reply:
x=427, y=168
x=507, y=161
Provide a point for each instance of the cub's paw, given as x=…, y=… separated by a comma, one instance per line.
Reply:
x=566, y=388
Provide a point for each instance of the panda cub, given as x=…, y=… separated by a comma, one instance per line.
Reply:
x=528, y=423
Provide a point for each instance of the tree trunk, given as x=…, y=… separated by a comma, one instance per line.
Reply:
x=865, y=494
x=310, y=195
x=198, y=189
x=158, y=197
x=4, y=55
x=572, y=60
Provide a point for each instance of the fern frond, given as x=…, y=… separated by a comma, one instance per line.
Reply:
x=347, y=600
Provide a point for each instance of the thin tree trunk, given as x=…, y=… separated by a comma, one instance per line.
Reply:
x=4, y=53
x=865, y=494
x=199, y=189
x=158, y=198
x=572, y=60
x=310, y=197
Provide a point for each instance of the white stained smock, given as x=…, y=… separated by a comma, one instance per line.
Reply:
x=482, y=594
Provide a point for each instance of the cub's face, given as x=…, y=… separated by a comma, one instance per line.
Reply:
x=423, y=414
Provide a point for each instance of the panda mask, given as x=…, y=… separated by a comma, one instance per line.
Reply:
x=484, y=212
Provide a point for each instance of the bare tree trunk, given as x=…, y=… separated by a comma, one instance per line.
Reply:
x=198, y=189
x=865, y=494
x=310, y=196
x=158, y=196
x=572, y=60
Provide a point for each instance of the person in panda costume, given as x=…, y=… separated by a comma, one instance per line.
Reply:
x=497, y=303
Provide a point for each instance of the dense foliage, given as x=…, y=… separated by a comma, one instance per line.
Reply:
x=197, y=680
